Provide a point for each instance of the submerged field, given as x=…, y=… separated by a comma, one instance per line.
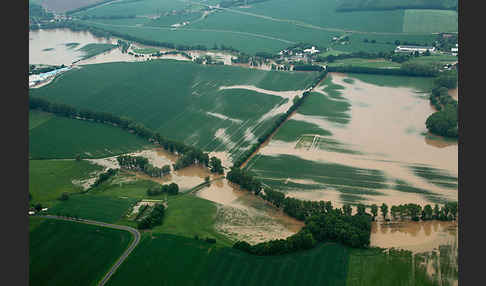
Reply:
x=360, y=138
x=231, y=105
x=71, y=253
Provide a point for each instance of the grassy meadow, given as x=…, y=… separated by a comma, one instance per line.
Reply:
x=169, y=96
x=55, y=137
x=48, y=179
x=72, y=253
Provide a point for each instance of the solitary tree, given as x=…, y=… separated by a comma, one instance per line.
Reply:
x=384, y=210
x=38, y=207
x=374, y=210
x=347, y=210
x=361, y=209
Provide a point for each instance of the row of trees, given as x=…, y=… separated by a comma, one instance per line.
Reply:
x=297, y=102
x=171, y=189
x=34, y=70
x=104, y=177
x=406, y=69
x=153, y=219
x=124, y=45
x=139, y=163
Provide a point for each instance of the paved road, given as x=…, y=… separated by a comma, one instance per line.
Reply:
x=134, y=232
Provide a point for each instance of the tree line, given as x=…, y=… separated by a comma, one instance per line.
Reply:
x=325, y=223
x=153, y=219
x=406, y=69
x=171, y=189
x=262, y=138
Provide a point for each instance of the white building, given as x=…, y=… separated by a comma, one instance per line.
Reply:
x=312, y=50
x=412, y=49
x=455, y=50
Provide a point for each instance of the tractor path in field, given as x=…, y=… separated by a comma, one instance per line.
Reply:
x=135, y=233
x=196, y=30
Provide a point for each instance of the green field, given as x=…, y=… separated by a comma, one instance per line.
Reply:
x=48, y=179
x=71, y=253
x=430, y=21
x=100, y=208
x=55, y=137
x=174, y=260
x=163, y=259
x=169, y=96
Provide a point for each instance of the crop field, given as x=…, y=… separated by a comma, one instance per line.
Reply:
x=48, y=179
x=232, y=105
x=324, y=151
x=71, y=253
x=376, y=267
x=270, y=26
x=66, y=5
x=174, y=260
x=95, y=207
x=380, y=63
x=430, y=21
x=130, y=7
x=55, y=137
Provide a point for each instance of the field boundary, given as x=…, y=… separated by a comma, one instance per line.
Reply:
x=134, y=232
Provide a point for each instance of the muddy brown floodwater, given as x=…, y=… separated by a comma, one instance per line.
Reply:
x=386, y=127
x=417, y=237
x=57, y=40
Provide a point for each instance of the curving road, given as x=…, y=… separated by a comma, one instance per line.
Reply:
x=134, y=232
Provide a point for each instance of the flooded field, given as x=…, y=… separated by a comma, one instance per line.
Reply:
x=59, y=46
x=244, y=216
x=384, y=134
x=434, y=245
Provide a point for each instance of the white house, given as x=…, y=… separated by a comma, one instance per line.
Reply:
x=411, y=49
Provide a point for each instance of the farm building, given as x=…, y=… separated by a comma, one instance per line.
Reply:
x=411, y=49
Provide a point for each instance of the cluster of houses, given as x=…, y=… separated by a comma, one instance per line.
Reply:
x=304, y=52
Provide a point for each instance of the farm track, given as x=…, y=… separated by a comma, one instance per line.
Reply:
x=276, y=130
x=136, y=239
x=197, y=30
